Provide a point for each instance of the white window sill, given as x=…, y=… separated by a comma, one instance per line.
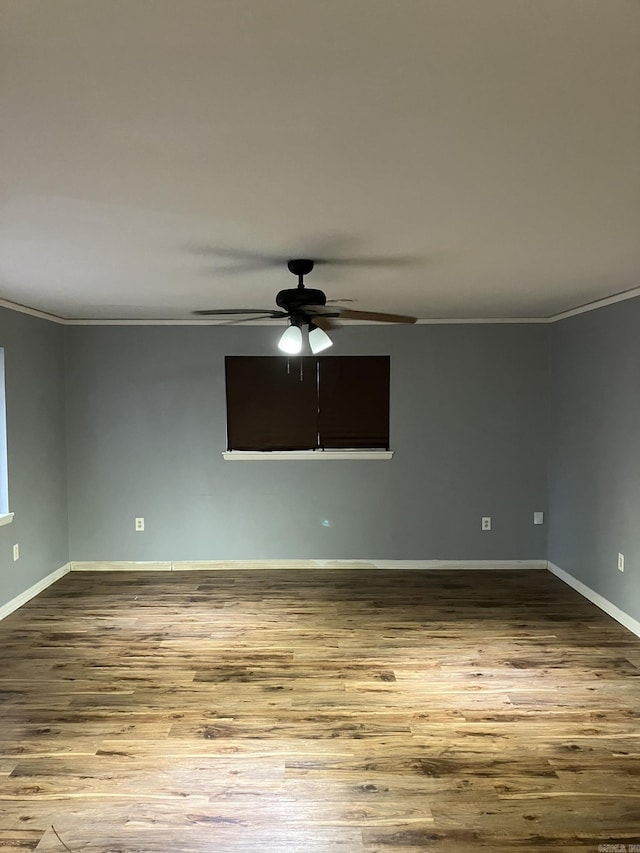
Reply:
x=6, y=518
x=303, y=455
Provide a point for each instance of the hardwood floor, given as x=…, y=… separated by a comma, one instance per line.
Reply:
x=309, y=711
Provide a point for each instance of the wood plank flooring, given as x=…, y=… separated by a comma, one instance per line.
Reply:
x=319, y=712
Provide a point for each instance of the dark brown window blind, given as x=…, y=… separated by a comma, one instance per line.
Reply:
x=353, y=397
x=271, y=403
x=307, y=403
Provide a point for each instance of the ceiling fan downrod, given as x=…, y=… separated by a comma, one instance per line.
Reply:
x=300, y=267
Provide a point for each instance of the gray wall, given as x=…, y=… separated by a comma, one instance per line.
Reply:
x=34, y=373
x=146, y=425
x=594, y=461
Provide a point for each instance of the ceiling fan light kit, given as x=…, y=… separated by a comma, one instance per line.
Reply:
x=318, y=340
x=291, y=340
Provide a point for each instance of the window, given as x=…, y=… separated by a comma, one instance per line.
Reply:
x=307, y=403
x=5, y=515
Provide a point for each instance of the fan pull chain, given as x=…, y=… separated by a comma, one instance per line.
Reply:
x=289, y=369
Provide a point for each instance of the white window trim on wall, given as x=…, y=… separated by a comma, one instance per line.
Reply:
x=303, y=455
x=6, y=517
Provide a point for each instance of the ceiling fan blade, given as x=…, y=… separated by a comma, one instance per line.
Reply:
x=340, y=313
x=242, y=256
x=222, y=312
x=239, y=320
x=322, y=310
x=351, y=314
x=332, y=253
x=324, y=323
x=241, y=268
x=382, y=261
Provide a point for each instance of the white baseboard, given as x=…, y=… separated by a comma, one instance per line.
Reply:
x=239, y=565
x=34, y=590
x=595, y=598
x=121, y=566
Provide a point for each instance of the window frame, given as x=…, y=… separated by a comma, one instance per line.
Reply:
x=339, y=447
x=6, y=517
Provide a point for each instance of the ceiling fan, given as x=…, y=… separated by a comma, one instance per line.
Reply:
x=305, y=306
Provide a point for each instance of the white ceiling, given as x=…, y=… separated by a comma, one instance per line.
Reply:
x=491, y=145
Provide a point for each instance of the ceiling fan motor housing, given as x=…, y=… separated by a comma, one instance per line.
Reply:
x=294, y=300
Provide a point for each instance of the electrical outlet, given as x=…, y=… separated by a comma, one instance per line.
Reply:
x=139, y=524
x=621, y=562
x=538, y=518
x=486, y=522
x=16, y=552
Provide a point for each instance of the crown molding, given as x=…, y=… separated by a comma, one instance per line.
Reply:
x=475, y=321
x=429, y=322
x=597, y=303
x=165, y=322
x=33, y=312
x=440, y=321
